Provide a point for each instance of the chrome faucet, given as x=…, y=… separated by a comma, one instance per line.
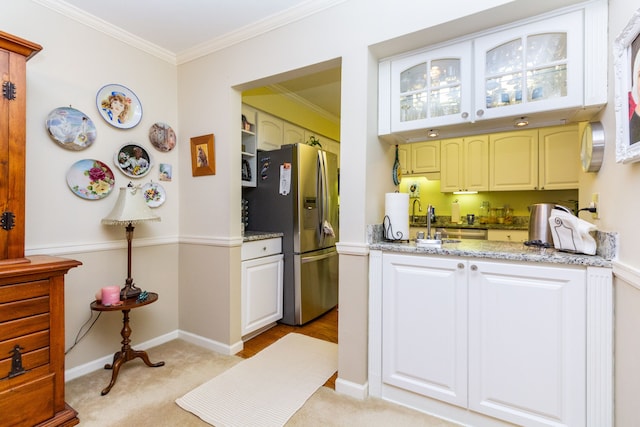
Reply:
x=413, y=209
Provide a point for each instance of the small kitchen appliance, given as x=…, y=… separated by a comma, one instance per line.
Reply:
x=539, y=229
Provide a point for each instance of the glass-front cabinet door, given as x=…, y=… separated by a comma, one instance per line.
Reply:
x=431, y=89
x=535, y=67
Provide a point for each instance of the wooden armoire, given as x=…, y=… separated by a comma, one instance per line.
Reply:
x=32, y=342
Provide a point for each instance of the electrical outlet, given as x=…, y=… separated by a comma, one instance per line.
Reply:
x=595, y=198
x=414, y=190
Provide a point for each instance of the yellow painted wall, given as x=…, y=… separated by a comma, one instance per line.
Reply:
x=470, y=203
x=272, y=102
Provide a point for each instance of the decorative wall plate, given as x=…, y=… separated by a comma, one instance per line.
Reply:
x=119, y=106
x=162, y=137
x=133, y=160
x=154, y=194
x=71, y=128
x=90, y=179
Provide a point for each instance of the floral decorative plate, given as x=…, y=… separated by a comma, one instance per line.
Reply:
x=71, y=128
x=162, y=137
x=154, y=194
x=133, y=160
x=90, y=179
x=119, y=106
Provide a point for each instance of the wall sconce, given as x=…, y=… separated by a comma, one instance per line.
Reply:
x=433, y=133
x=521, y=122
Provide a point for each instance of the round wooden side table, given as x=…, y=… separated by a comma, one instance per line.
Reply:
x=126, y=353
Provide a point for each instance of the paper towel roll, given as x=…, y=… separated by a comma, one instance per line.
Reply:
x=455, y=212
x=396, y=210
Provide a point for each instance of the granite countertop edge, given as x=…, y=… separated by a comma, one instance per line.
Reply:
x=496, y=250
x=252, y=236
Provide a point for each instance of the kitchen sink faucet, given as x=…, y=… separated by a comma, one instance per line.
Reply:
x=413, y=210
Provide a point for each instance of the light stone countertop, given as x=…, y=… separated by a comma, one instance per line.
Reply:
x=494, y=250
x=251, y=236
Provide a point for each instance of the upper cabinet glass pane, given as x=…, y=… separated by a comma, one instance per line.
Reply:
x=505, y=58
x=543, y=49
x=445, y=72
x=415, y=78
x=536, y=62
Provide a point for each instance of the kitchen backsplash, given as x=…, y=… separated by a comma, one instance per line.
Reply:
x=429, y=194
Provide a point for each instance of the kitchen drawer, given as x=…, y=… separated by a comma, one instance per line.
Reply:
x=24, y=308
x=28, y=403
x=261, y=248
x=26, y=325
x=20, y=291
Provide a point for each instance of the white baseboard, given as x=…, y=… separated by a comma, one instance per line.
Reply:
x=97, y=364
x=216, y=346
x=94, y=365
x=357, y=391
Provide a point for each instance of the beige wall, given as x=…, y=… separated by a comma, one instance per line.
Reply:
x=76, y=61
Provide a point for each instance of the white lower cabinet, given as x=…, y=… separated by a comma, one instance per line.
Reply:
x=499, y=338
x=425, y=327
x=262, y=284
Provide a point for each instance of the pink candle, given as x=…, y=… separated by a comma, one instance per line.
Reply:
x=110, y=295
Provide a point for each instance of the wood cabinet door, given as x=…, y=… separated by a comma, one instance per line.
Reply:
x=452, y=165
x=559, y=157
x=424, y=330
x=425, y=157
x=270, y=132
x=293, y=134
x=513, y=157
x=262, y=290
x=12, y=155
x=527, y=340
x=404, y=157
x=476, y=163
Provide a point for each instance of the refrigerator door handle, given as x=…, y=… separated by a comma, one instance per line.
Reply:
x=314, y=258
x=321, y=185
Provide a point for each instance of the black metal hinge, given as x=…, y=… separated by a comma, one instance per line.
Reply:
x=9, y=90
x=7, y=220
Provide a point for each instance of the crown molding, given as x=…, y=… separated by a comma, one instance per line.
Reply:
x=257, y=28
x=301, y=101
x=107, y=28
x=262, y=26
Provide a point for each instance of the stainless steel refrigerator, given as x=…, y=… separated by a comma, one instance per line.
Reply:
x=297, y=195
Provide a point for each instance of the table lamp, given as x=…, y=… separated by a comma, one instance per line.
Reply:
x=130, y=209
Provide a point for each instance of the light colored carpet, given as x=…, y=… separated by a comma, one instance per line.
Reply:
x=145, y=397
x=268, y=388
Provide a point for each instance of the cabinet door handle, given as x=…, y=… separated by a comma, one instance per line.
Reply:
x=464, y=115
x=480, y=113
x=474, y=267
x=460, y=265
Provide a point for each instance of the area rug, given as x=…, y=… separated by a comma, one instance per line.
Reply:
x=268, y=388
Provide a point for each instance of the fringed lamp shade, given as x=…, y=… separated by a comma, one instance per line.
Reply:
x=130, y=209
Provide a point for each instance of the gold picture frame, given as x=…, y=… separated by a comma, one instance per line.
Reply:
x=203, y=156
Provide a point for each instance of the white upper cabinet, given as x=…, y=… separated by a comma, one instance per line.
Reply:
x=270, y=132
x=432, y=88
x=551, y=68
x=530, y=68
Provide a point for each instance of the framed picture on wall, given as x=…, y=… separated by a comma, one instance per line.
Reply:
x=203, y=158
x=627, y=91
